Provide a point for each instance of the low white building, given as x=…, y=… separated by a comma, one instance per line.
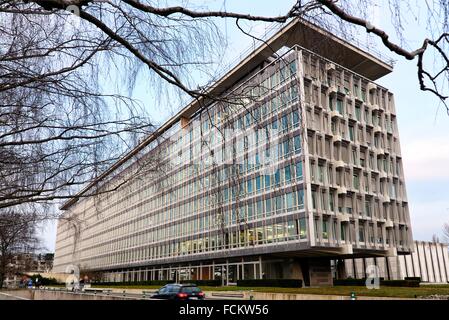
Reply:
x=429, y=261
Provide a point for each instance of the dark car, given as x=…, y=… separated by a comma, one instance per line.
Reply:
x=175, y=291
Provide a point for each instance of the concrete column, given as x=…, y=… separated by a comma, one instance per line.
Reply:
x=320, y=273
x=255, y=271
x=238, y=271
x=341, y=269
x=227, y=272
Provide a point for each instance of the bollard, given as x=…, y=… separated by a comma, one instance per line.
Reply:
x=251, y=296
x=353, y=296
x=124, y=293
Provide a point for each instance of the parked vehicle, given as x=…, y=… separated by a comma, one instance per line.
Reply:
x=176, y=291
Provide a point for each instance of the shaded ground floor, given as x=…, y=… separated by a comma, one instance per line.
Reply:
x=316, y=266
x=313, y=272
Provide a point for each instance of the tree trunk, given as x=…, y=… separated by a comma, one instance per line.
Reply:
x=2, y=277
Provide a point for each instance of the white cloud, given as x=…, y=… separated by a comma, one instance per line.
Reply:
x=426, y=159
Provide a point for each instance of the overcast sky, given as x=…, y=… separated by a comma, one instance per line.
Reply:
x=422, y=120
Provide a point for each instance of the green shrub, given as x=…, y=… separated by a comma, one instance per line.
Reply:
x=283, y=283
x=207, y=283
x=44, y=281
x=387, y=283
x=413, y=278
x=400, y=283
x=349, y=282
x=211, y=283
x=134, y=283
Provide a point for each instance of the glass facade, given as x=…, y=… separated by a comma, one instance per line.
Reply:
x=302, y=154
x=232, y=177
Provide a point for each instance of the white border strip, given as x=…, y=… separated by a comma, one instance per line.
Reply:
x=10, y=295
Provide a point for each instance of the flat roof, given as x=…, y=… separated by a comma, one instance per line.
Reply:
x=297, y=32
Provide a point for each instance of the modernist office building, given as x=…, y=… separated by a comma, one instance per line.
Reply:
x=297, y=163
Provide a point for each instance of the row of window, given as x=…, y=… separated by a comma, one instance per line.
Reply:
x=270, y=233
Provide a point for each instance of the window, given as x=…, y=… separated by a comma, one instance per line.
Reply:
x=371, y=233
x=250, y=186
x=314, y=204
x=325, y=232
x=258, y=183
x=268, y=207
x=342, y=231
x=321, y=173
x=331, y=201
x=290, y=201
x=287, y=173
x=286, y=147
x=356, y=181
x=340, y=106
x=368, y=208
x=267, y=181
x=250, y=212
x=295, y=118
x=361, y=233
x=358, y=113
x=298, y=169
x=269, y=234
x=297, y=142
x=291, y=230
x=351, y=133
x=285, y=122
x=355, y=158
x=379, y=235
x=277, y=177
x=334, y=127
x=259, y=208
x=302, y=228
x=300, y=194
x=279, y=203
x=292, y=68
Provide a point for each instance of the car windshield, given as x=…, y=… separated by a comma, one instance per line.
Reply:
x=191, y=289
x=171, y=289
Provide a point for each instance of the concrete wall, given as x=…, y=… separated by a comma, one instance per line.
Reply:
x=58, y=295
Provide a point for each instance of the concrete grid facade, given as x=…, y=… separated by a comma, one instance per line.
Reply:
x=298, y=164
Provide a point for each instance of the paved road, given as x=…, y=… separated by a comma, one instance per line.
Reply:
x=138, y=296
x=9, y=296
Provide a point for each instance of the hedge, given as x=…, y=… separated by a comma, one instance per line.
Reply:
x=400, y=283
x=283, y=283
x=387, y=283
x=413, y=278
x=211, y=283
x=207, y=283
x=135, y=283
x=349, y=282
x=44, y=281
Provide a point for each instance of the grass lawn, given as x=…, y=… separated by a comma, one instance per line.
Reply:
x=397, y=292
